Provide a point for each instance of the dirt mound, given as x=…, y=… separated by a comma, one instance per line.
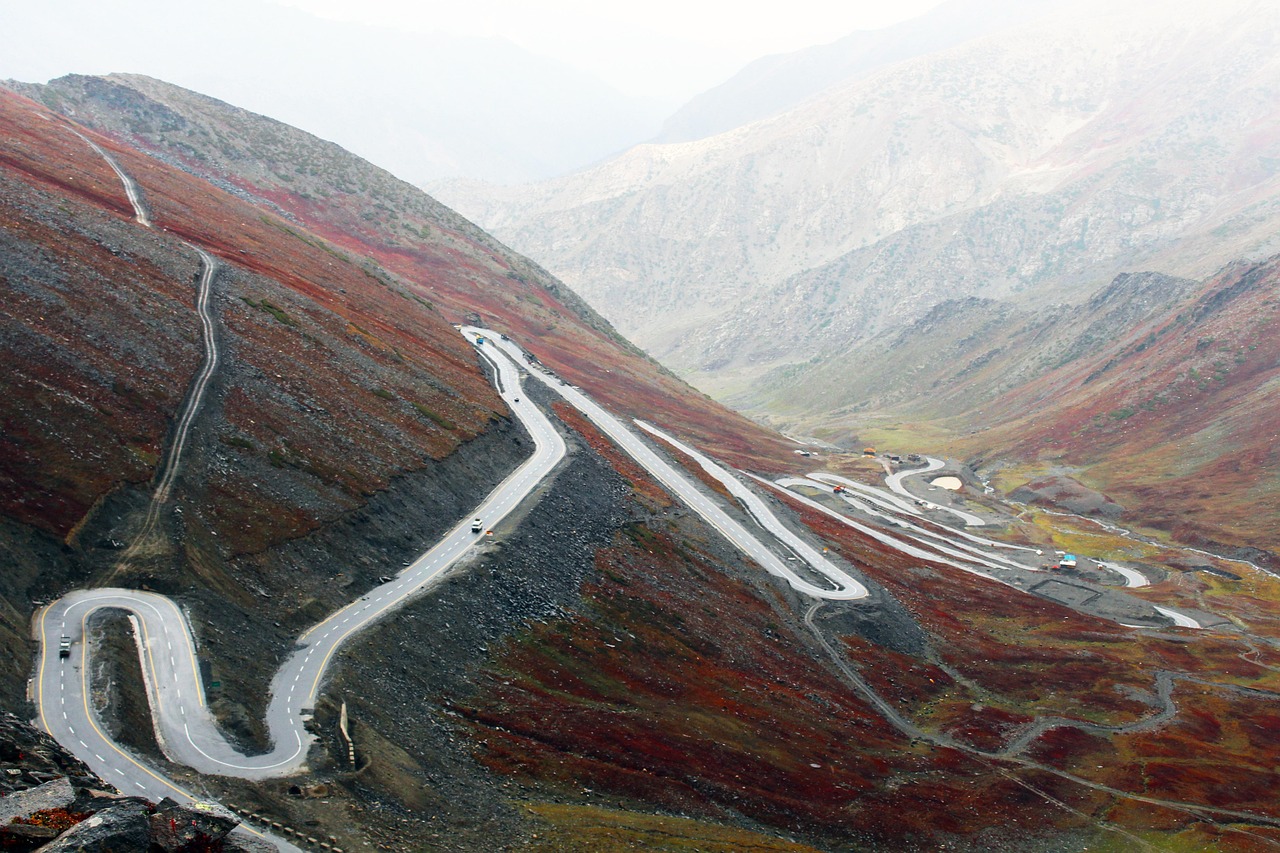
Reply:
x=1062, y=492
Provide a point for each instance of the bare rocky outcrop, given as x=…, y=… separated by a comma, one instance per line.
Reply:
x=54, y=804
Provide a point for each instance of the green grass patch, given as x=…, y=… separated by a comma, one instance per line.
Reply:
x=147, y=457
x=238, y=441
x=439, y=420
x=274, y=310
x=578, y=829
x=315, y=244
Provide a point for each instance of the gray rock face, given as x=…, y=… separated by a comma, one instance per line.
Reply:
x=1029, y=167
x=122, y=828
x=174, y=826
x=242, y=843
x=50, y=795
x=26, y=836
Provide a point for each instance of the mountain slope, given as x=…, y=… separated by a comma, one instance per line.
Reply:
x=1033, y=165
x=1173, y=417
x=965, y=353
x=605, y=660
x=367, y=210
x=1157, y=392
x=347, y=425
x=774, y=84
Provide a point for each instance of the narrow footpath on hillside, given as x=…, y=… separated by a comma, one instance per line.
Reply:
x=1011, y=753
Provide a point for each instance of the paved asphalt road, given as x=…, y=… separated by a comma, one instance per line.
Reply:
x=947, y=547
x=894, y=482
x=69, y=708
x=841, y=586
x=62, y=690
x=846, y=586
x=183, y=724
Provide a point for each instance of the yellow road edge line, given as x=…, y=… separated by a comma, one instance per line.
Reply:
x=89, y=715
x=44, y=649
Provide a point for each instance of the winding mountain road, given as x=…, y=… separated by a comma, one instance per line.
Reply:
x=844, y=582
x=111, y=760
x=841, y=587
x=894, y=482
x=916, y=541
x=184, y=727
x=1133, y=579
x=62, y=688
x=937, y=541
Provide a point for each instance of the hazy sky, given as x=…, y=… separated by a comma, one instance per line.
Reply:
x=430, y=89
x=669, y=50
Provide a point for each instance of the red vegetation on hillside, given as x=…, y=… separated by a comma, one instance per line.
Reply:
x=303, y=323
x=1176, y=420
x=353, y=206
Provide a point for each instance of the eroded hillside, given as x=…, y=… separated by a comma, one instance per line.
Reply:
x=1029, y=165
x=440, y=256
x=606, y=672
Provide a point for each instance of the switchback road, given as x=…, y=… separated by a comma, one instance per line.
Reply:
x=841, y=586
x=894, y=482
x=185, y=729
x=956, y=548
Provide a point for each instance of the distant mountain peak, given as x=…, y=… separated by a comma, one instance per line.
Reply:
x=773, y=84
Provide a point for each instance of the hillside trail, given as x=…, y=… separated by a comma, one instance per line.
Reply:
x=171, y=459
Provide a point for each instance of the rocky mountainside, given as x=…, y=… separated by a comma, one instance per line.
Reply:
x=52, y=802
x=963, y=354
x=348, y=422
x=1158, y=392
x=1172, y=415
x=1029, y=166
x=444, y=258
x=604, y=672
